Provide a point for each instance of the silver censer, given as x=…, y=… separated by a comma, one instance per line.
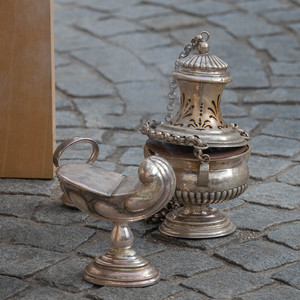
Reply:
x=209, y=157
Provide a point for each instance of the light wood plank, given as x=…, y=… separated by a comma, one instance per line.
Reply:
x=27, y=105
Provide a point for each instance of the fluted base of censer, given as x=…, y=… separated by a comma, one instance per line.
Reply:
x=206, y=223
x=123, y=268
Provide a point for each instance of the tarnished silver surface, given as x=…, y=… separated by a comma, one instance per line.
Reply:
x=119, y=199
x=201, y=78
x=208, y=155
x=227, y=178
x=66, y=145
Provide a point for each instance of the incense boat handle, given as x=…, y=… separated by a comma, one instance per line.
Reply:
x=71, y=142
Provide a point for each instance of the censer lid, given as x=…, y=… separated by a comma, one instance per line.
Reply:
x=201, y=66
x=201, y=78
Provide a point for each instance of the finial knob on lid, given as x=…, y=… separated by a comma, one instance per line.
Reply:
x=201, y=66
x=203, y=46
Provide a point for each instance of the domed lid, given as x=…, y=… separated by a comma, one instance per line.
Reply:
x=201, y=66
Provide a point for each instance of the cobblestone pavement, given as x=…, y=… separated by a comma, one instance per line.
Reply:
x=113, y=63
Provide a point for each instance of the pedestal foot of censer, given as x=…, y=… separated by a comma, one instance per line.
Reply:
x=120, y=199
x=204, y=223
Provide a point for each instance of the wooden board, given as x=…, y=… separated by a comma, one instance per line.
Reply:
x=27, y=106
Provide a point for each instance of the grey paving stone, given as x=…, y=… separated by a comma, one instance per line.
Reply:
x=270, y=112
x=23, y=262
x=49, y=293
x=226, y=282
x=285, y=81
x=132, y=156
x=127, y=121
x=232, y=110
x=229, y=96
x=109, y=27
x=76, y=80
x=104, y=5
x=67, y=275
x=99, y=107
x=61, y=101
x=239, y=70
x=171, y=21
x=160, y=290
x=65, y=133
x=268, y=145
x=270, y=43
x=279, y=95
x=27, y=186
x=274, y=194
x=241, y=79
x=209, y=244
x=141, y=246
x=10, y=286
x=19, y=205
x=243, y=24
x=283, y=128
x=162, y=58
x=273, y=292
x=141, y=41
x=295, y=27
x=262, y=5
x=247, y=124
x=289, y=275
x=67, y=119
x=259, y=218
x=68, y=38
x=71, y=15
x=141, y=11
x=285, y=68
x=169, y=2
x=84, y=154
x=49, y=237
x=291, y=176
x=296, y=158
x=283, y=15
x=189, y=296
x=243, y=63
x=289, y=236
x=54, y=212
x=130, y=171
x=204, y=8
x=61, y=61
x=126, y=138
x=108, y=61
x=263, y=167
x=152, y=99
x=194, y=262
x=258, y=256
x=225, y=50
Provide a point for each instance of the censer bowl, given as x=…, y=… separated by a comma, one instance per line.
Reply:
x=227, y=179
